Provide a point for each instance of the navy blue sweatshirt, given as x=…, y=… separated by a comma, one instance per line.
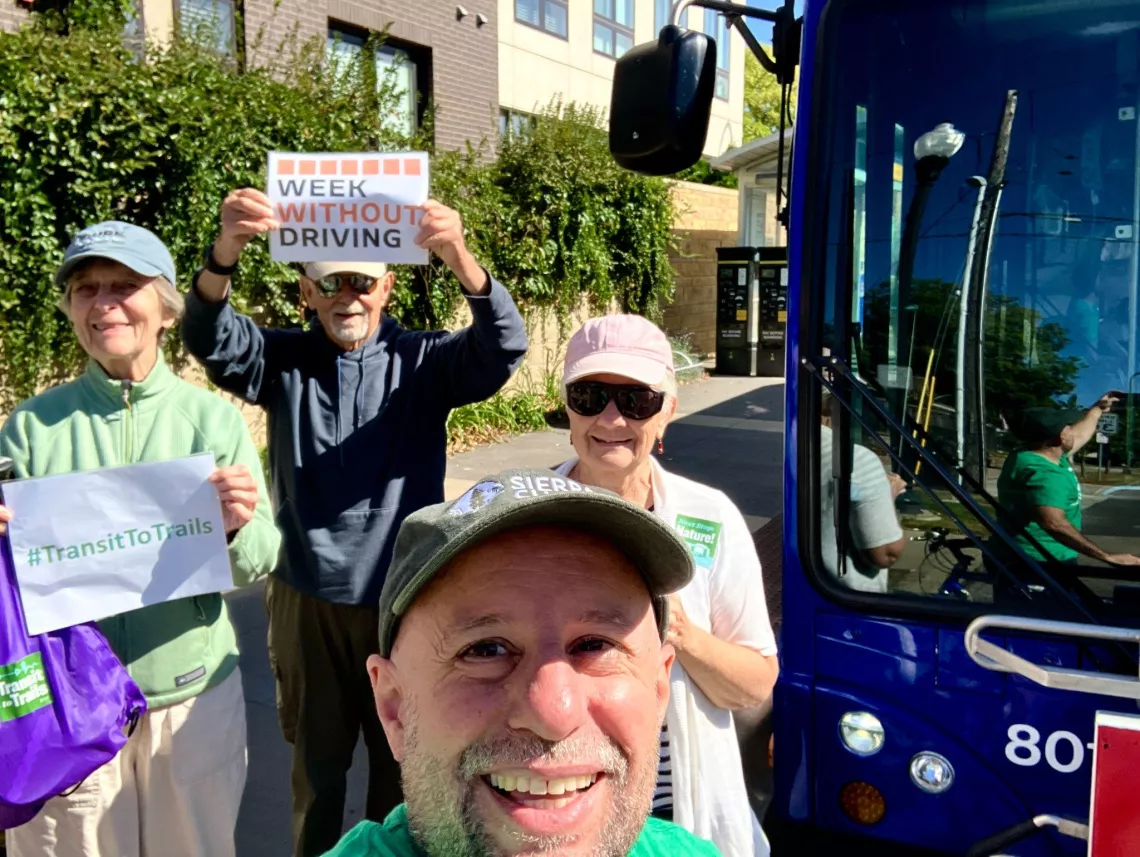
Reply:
x=357, y=439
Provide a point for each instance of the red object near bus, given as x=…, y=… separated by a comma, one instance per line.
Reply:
x=1114, y=821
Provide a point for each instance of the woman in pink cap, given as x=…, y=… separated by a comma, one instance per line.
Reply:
x=620, y=393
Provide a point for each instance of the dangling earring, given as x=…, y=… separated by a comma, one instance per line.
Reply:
x=660, y=446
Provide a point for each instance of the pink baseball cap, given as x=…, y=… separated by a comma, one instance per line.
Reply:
x=626, y=345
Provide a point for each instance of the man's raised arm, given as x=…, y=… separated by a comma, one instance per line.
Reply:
x=230, y=345
x=473, y=363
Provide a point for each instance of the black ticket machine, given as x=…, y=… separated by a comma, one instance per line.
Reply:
x=751, y=310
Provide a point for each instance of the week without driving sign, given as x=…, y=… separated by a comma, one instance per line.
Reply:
x=345, y=207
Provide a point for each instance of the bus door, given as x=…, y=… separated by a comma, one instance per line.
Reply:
x=966, y=242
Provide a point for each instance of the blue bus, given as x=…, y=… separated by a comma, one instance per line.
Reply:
x=964, y=250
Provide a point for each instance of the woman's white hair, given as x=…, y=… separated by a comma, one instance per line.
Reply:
x=172, y=301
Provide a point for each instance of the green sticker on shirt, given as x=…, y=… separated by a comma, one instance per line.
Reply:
x=23, y=687
x=701, y=536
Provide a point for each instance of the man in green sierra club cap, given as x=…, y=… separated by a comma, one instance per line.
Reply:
x=1038, y=490
x=523, y=675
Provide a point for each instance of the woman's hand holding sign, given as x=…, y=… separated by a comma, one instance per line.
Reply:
x=237, y=491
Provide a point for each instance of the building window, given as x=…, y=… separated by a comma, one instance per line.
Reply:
x=512, y=123
x=716, y=27
x=548, y=15
x=613, y=27
x=662, y=15
x=393, y=64
x=134, y=36
x=210, y=22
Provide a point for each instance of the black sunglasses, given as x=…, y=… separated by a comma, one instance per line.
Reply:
x=634, y=401
x=332, y=284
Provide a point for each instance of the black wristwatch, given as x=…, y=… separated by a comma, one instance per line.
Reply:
x=216, y=267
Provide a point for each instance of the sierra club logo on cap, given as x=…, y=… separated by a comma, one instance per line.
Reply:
x=481, y=495
x=476, y=498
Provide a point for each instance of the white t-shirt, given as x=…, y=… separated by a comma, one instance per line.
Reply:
x=874, y=521
x=725, y=598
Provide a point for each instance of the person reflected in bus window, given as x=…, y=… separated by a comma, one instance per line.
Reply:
x=621, y=392
x=1038, y=490
x=875, y=537
x=1083, y=320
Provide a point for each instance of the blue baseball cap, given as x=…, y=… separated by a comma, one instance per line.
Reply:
x=139, y=249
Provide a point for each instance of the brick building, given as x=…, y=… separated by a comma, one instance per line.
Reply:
x=442, y=51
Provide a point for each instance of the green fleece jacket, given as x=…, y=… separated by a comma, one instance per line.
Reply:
x=178, y=649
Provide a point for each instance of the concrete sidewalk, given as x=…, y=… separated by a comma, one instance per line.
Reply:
x=728, y=434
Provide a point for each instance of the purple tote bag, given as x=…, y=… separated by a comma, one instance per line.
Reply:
x=66, y=705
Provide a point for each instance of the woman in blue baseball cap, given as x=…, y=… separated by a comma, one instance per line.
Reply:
x=175, y=788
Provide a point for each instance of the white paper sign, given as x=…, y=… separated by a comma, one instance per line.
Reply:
x=347, y=207
x=94, y=544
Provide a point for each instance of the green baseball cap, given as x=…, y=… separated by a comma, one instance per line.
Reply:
x=430, y=538
x=1038, y=425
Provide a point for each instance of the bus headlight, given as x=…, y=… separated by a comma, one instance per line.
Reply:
x=931, y=772
x=862, y=733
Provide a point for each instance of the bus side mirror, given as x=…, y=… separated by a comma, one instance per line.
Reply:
x=662, y=97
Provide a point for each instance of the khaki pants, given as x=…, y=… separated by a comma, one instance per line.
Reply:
x=173, y=790
x=318, y=652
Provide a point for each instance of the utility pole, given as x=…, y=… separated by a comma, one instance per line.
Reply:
x=974, y=363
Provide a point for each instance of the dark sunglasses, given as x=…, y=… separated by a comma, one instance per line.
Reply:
x=331, y=285
x=634, y=401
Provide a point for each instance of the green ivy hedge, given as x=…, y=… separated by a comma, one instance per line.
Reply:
x=90, y=131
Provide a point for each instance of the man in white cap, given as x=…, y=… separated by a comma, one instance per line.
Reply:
x=357, y=415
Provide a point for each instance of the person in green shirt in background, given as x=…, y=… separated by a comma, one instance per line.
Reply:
x=523, y=675
x=1038, y=491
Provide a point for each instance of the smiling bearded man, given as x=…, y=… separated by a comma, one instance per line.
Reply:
x=523, y=675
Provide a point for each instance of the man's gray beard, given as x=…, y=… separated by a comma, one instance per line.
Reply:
x=353, y=332
x=442, y=808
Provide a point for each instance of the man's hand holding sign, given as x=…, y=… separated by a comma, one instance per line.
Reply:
x=336, y=215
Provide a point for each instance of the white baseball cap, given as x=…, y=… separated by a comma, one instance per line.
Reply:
x=320, y=270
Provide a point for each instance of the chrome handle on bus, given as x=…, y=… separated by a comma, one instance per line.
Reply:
x=992, y=657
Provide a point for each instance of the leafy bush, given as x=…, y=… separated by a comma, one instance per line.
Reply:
x=702, y=173
x=89, y=132
x=508, y=412
x=687, y=360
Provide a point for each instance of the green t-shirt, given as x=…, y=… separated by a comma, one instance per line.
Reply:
x=393, y=838
x=1029, y=480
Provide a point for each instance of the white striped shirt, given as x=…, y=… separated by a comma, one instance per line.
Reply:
x=663, y=795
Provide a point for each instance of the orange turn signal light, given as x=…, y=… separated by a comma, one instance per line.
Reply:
x=862, y=803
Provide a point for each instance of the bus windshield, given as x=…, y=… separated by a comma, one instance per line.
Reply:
x=971, y=244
